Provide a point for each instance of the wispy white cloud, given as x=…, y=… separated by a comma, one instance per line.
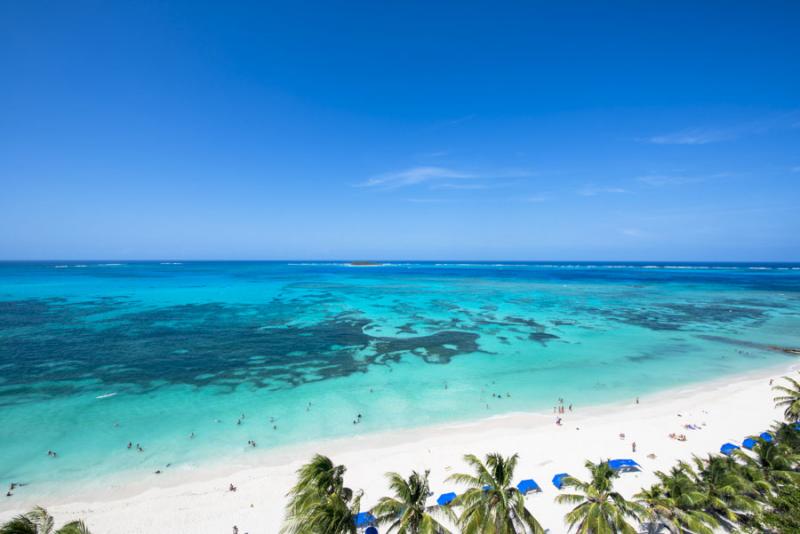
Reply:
x=704, y=136
x=434, y=154
x=633, y=232
x=462, y=186
x=591, y=191
x=537, y=199
x=426, y=200
x=460, y=120
x=414, y=176
x=692, y=137
x=445, y=178
x=659, y=180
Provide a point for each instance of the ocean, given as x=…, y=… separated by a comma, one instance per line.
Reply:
x=193, y=360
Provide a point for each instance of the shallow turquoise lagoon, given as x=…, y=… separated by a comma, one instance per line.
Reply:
x=192, y=360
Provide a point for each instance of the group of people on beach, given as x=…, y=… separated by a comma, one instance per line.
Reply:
x=561, y=409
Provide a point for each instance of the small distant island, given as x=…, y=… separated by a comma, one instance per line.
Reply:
x=365, y=264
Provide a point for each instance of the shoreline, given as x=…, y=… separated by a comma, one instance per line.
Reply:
x=196, y=499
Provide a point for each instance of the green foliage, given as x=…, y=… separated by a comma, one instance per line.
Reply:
x=599, y=509
x=675, y=504
x=406, y=512
x=38, y=521
x=319, y=503
x=789, y=399
x=491, y=504
x=74, y=527
x=787, y=435
x=783, y=515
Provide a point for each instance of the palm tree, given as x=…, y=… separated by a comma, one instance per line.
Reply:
x=319, y=502
x=775, y=461
x=599, y=510
x=728, y=494
x=38, y=521
x=789, y=399
x=788, y=435
x=658, y=509
x=406, y=512
x=492, y=505
x=675, y=504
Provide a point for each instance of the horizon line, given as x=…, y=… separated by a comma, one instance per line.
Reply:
x=385, y=260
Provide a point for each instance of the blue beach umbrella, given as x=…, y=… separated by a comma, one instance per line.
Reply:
x=445, y=498
x=624, y=464
x=766, y=436
x=749, y=443
x=364, y=519
x=371, y=530
x=728, y=448
x=558, y=480
x=528, y=485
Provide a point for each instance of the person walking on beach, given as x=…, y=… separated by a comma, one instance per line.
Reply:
x=633, y=446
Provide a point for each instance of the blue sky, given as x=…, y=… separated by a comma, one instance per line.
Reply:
x=425, y=130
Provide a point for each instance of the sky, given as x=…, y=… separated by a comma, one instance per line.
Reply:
x=400, y=130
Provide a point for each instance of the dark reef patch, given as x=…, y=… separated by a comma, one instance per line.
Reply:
x=112, y=341
x=680, y=316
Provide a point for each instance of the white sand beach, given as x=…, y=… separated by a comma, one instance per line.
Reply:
x=199, y=502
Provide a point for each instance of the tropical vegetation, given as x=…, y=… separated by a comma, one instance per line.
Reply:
x=38, y=521
x=319, y=502
x=600, y=509
x=407, y=512
x=756, y=491
x=492, y=504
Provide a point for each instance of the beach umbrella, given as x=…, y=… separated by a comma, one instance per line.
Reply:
x=528, y=485
x=728, y=448
x=364, y=519
x=624, y=464
x=749, y=443
x=371, y=530
x=766, y=436
x=558, y=480
x=445, y=498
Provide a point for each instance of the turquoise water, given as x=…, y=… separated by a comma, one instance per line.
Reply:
x=96, y=355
